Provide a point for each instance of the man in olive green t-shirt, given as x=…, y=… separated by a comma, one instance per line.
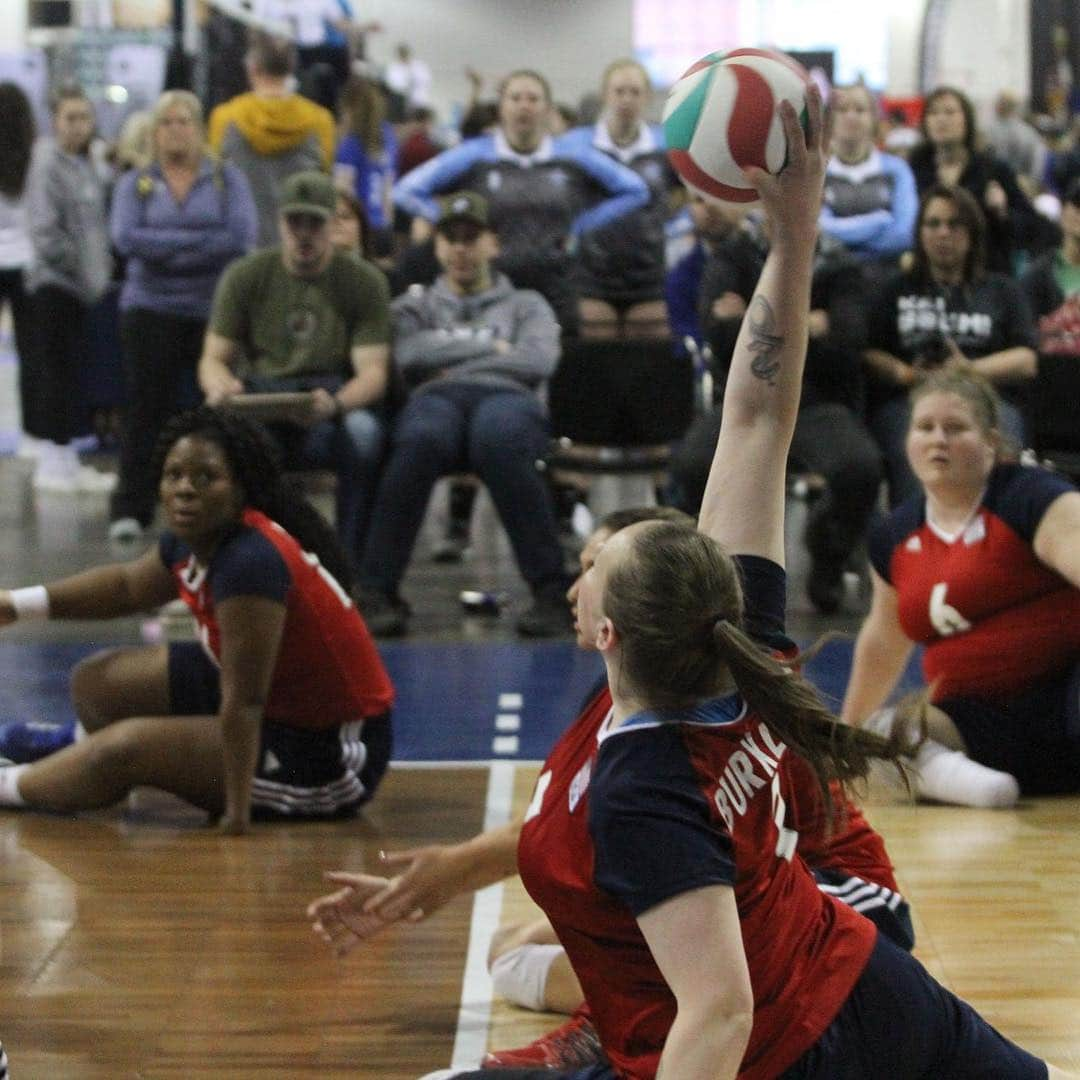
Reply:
x=303, y=316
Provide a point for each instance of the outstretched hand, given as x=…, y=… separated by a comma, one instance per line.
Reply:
x=792, y=197
x=368, y=903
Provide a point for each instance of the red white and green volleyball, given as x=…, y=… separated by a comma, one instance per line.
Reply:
x=721, y=117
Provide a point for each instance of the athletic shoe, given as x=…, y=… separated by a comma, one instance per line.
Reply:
x=23, y=741
x=574, y=1045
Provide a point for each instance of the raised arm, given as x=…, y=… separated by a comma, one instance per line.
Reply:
x=743, y=506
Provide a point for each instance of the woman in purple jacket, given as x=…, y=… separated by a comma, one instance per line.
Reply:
x=178, y=223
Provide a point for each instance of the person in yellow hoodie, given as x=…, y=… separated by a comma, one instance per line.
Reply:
x=271, y=132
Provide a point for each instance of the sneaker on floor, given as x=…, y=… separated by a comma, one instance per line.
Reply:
x=574, y=1045
x=23, y=741
x=386, y=616
x=548, y=615
x=125, y=530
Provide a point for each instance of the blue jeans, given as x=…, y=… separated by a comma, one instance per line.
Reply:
x=889, y=426
x=498, y=434
x=351, y=446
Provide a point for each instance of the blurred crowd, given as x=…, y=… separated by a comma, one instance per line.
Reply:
x=408, y=291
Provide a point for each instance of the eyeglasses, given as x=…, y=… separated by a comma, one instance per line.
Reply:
x=952, y=224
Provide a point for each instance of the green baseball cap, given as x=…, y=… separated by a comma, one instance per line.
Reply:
x=308, y=193
x=463, y=206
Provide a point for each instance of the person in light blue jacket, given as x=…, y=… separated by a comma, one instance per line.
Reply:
x=621, y=273
x=179, y=222
x=544, y=193
x=870, y=197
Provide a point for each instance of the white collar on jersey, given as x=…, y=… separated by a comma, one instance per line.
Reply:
x=645, y=143
x=950, y=537
x=717, y=712
x=505, y=152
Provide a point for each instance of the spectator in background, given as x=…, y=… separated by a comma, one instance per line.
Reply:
x=713, y=222
x=870, y=197
x=946, y=311
x=178, y=222
x=544, y=193
x=270, y=132
x=897, y=135
x=366, y=158
x=408, y=78
x=949, y=156
x=415, y=144
x=349, y=230
x=830, y=438
x=621, y=273
x=17, y=132
x=1052, y=284
x=1014, y=140
x=134, y=147
x=309, y=318
x=475, y=353
x=70, y=270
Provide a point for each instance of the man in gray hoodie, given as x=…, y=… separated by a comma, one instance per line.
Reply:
x=475, y=354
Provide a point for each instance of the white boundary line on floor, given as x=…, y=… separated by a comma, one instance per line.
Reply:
x=474, y=1016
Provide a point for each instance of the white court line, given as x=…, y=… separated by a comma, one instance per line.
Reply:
x=474, y=1016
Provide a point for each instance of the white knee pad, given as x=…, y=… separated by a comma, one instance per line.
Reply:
x=520, y=975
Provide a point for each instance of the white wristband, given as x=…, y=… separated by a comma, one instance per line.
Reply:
x=31, y=602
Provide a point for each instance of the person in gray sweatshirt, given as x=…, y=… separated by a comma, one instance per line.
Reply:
x=474, y=354
x=69, y=271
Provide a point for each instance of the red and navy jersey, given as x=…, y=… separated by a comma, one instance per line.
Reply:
x=993, y=618
x=328, y=671
x=623, y=820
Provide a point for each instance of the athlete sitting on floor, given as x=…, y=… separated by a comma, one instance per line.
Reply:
x=283, y=706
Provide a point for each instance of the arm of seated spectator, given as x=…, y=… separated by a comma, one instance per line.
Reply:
x=1057, y=539
x=216, y=378
x=855, y=230
x=626, y=190
x=533, y=354
x=890, y=369
x=371, y=367
x=1007, y=366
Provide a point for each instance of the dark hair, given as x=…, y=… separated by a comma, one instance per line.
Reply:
x=676, y=602
x=526, y=73
x=971, y=217
x=970, y=127
x=17, y=132
x=342, y=191
x=254, y=462
x=272, y=56
x=481, y=116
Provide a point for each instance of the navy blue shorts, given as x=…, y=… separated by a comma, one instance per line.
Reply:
x=886, y=909
x=1035, y=736
x=900, y=1022
x=301, y=773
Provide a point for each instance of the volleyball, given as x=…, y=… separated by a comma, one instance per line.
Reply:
x=721, y=117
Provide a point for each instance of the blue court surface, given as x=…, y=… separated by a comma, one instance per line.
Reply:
x=456, y=702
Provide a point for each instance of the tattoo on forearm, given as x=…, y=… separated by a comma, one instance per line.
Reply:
x=765, y=343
